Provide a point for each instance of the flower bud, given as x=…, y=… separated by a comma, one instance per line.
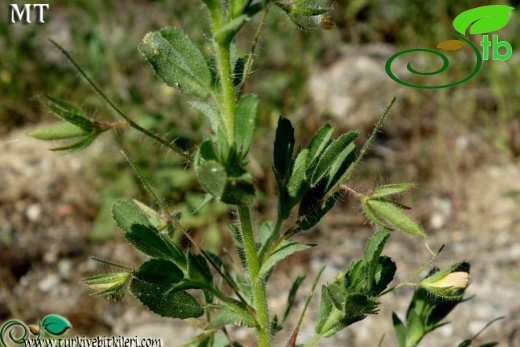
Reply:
x=446, y=284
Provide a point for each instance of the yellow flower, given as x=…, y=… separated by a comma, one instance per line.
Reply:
x=446, y=284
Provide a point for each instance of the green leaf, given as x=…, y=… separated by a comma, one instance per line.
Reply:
x=297, y=179
x=355, y=278
x=239, y=191
x=326, y=308
x=291, y=297
x=395, y=215
x=225, y=34
x=69, y=113
x=198, y=270
x=313, y=213
x=211, y=174
x=391, y=189
x=245, y=122
x=371, y=215
x=219, y=180
x=60, y=131
x=147, y=240
x=339, y=169
x=141, y=234
x=330, y=156
x=485, y=19
x=159, y=271
x=84, y=142
x=415, y=328
x=177, y=61
x=154, y=217
x=319, y=142
x=126, y=215
x=165, y=302
x=283, y=251
x=55, y=324
x=227, y=316
x=400, y=330
x=237, y=7
x=283, y=149
x=373, y=249
x=107, y=284
x=211, y=112
x=385, y=272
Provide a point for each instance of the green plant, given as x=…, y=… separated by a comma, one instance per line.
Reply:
x=195, y=283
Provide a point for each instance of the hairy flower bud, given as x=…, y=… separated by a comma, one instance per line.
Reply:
x=446, y=284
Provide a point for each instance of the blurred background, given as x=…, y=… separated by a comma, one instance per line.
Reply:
x=461, y=145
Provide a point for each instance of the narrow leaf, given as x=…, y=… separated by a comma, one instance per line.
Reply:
x=318, y=143
x=69, y=113
x=400, y=330
x=297, y=179
x=395, y=215
x=373, y=249
x=291, y=298
x=60, y=131
x=283, y=251
x=107, y=284
x=391, y=189
x=229, y=30
x=83, y=143
x=330, y=155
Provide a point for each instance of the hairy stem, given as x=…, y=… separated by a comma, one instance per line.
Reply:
x=257, y=283
x=250, y=57
x=228, y=92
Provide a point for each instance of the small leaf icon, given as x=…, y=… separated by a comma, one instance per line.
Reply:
x=451, y=45
x=485, y=19
x=55, y=325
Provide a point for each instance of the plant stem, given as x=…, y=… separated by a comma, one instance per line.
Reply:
x=228, y=91
x=257, y=283
x=312, y=341
x=249, y=62
x=328, y=325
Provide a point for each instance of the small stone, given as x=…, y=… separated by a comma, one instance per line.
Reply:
x=446, y=330
x=64, y=268
x=49, y=282
x=34, y=212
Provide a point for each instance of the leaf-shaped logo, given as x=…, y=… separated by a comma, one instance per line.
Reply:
x=55, y=325
x=485, y=19
x=451, y=45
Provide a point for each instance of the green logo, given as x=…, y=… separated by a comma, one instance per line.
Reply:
x=51, y=325
x=483, y=20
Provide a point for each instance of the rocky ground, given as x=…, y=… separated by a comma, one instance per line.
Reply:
x=44, y=254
